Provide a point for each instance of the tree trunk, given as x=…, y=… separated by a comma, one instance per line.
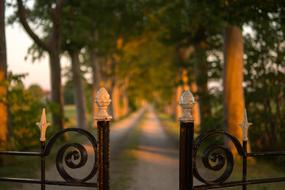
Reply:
x=96, y=78
x=125, y=104
x=196, y=108
x=116, y=95
x=202, y=82
x=232, y=82
x=53, y=47
x=178, y=109
x=3, y=77
x=56, y=90
x=125, y=99
x=173, y=104
x=79, y=97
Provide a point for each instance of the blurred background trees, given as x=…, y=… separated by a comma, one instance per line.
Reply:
x=47, y=17
x=3, y=78
x=230, y=54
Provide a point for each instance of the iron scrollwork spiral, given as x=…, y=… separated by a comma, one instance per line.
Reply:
x=215, y=157
x=73, y=155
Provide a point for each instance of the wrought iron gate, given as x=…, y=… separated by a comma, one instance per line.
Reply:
x=215, y=157
x=73, y=155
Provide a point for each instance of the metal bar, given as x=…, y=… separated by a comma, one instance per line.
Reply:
x=100, y=156
x=240, y=183
x=47, y=182
x=103, y=154
x=244, y=164
x=257, y=154
x=185, y=158
x=18, y=153
x=106, y=155
x=43, y=175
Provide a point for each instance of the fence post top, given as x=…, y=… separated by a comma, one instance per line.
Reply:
x=187, y=102
x=103, y=100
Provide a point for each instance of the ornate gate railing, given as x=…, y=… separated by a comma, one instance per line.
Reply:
x=215, y=157
x=73, y=155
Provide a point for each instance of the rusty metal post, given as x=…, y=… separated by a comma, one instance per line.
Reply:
x=103, y=125
x=244, y=165
x=186, y=142
x=43, y=166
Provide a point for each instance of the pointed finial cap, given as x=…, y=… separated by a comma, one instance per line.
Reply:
x=43, y=125
x=103, y=100
x=187, y=102
x=245, y=125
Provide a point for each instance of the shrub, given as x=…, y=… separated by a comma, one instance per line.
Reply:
x=25, y=107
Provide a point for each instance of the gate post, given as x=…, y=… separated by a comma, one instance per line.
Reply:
x=103, y=131
x=186, y=141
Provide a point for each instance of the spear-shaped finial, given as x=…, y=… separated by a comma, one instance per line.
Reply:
x=245, y=125
x=43, y=125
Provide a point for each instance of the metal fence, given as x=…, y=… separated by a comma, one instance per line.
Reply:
x=73, y=155
x=214, y=157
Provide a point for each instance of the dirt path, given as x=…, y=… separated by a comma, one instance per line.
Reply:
x=157, y=158
x=118, y=131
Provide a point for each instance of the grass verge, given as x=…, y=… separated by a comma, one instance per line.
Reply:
x=124, y=160
x=171, y=126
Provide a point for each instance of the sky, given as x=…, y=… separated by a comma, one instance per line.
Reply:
x=38, y=72
x=18, y=43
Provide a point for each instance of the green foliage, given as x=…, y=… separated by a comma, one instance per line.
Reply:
x=265, y=79
x=100, y=24
x=25, y=106
x=191, y=22
x=147, y=65
x=68, y=93
x=201, y=23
